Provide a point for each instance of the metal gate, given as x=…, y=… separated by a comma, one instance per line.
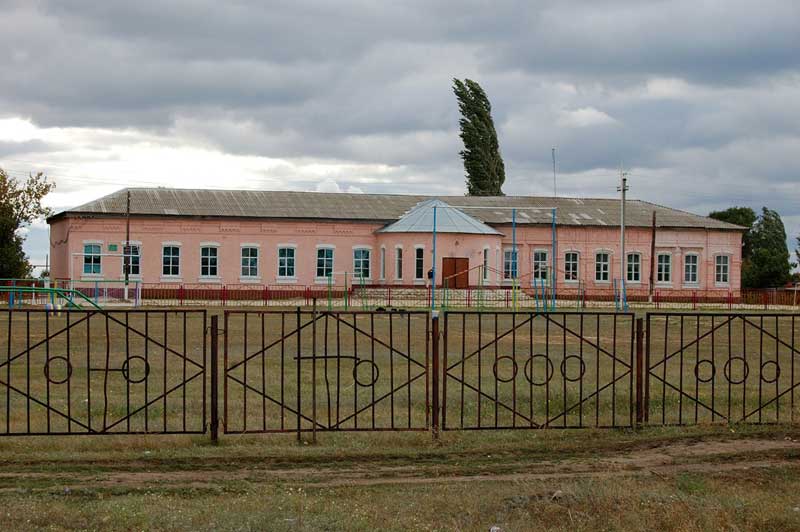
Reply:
x=729, y=368
x=537, y=370
x=288, y=371
x=102, y=372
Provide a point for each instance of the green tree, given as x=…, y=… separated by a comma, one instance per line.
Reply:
x=483, y=163
x=744, y=216
x=20, y=204
x=768, y=264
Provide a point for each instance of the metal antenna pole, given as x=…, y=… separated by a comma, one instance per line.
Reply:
x=623, y=188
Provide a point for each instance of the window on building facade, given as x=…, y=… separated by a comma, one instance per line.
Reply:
x=131, y=259
x=664, y=269
x=690, y=262
x=286, y=257
x=361, y=263
x=540, y=265
x=571, y=266
x=170, y=261
x=249, y=262
x=634, y=268
x=324, y=262
x=419, y=263
x=485, y=263
x=601, y=267
x=383, y=263
x=509, y=264
x=208, y=262
x=91, y=259
x=398, y=263
x=721, y=269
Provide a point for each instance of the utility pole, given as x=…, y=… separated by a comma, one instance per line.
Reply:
x=127, y=249
x=622, y=188
x=555, y=190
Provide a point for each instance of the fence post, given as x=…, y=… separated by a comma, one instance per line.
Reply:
x=214, y=378
x=297, y=383
x=639, y=372
x=435, y=370
x=181, y=294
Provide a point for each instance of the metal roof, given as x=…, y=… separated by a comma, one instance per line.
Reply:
x=385, y=208
x=448, y=220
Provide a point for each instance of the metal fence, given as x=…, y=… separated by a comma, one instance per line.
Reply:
x=90, y=372
x=537, y=370
x=729, y=368
x=322, y=371
x=304, y=371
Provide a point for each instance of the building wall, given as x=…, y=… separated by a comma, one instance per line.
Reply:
x=69, y=235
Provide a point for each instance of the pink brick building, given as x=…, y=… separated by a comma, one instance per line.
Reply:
x=303, y=238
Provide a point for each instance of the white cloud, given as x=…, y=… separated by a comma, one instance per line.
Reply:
x=327, y=185
x=584, y=117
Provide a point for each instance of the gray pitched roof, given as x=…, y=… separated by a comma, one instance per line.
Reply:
x=383, y=208
x=448, y=220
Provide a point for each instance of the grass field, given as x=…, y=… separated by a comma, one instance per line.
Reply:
x=695, y=478
x=703, y=477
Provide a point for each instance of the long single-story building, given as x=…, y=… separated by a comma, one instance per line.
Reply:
x=305, y=238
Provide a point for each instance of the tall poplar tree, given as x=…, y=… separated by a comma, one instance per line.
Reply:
x=483, y=163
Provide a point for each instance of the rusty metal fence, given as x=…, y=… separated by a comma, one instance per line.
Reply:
x=721, y=368
x=91, y=372
x=307, y=371
x=537, y=370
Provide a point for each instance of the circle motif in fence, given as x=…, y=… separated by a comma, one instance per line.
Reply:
x=375, y=373
x=704, y=365
x=127, y=369
x=564, y=368
x=764, y=370
x=49, y=371
x=528, y=370
x=745, y=371
x=514, y=368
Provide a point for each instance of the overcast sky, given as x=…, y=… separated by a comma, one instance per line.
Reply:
x=698, y=100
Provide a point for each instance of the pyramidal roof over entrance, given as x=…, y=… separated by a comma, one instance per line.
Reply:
x=448, y=220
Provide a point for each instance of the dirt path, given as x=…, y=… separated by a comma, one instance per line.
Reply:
x=666, y=460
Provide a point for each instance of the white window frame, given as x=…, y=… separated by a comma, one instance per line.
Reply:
x=577, y=261
x=727, y=258
x=540, y=268
x=419, y=263
x=638, y=278
x=485, y=263
x=605, y=267
x=209, y=277
x=686, y=280
x=138, y=245
x=326, y=247
x=658, y=272
x=286, y=278
x=513, y=272
x=172, y=277
x=249, y=278
x=368, y=277
x=383, y=263
x=99, y=256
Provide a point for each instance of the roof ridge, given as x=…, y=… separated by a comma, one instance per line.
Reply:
x=682, y=211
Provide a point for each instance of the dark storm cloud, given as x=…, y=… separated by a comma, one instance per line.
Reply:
x=701, y=99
